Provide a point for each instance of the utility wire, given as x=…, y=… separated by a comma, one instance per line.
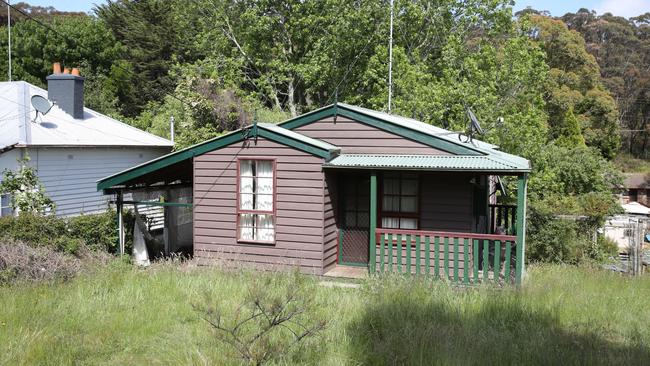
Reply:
x=74, y=44
x=351, y=64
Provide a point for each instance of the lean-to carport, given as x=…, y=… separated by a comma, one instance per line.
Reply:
x=159, y=190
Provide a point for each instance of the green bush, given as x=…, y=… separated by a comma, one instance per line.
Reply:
x=95, y=231
x=555, y=241
x=37, y=230
x=552, y=239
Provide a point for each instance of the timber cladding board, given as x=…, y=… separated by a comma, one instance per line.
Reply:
x=330, y=227
x=355, y=137
x=357, y=114
x=446, y=202
x=289, y=141
x=299, y=217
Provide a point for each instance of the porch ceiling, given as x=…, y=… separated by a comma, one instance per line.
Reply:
x=485, y=163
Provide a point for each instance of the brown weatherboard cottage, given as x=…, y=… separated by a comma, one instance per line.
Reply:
x=343, y=186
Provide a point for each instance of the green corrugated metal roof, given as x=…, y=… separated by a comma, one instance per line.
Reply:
x=427, y=162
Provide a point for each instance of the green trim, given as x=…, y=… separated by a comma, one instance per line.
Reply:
x=204, y=147
x=409, y=238
x=427, y=254
x=417, y=255
x=497, y=260
x=456, y=259
x=390, y=252
x=446, y=240
x=157, y=203
x=477, y=258
x=486, y=260
x=466, y=261
x=353, y=264
x=521, y=228
x=340, y=251
x=170, y=159
x=397, y=129
x=506, y=272
x=373, y=221
x=325, y=154
x=310, y=117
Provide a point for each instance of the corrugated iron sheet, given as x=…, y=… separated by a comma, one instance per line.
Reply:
x=430, y=162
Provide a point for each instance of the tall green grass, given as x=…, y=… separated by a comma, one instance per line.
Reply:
x=124, y=315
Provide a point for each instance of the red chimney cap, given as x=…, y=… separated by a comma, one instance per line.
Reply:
x=56, y=68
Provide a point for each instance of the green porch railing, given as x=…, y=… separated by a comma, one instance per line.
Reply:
x=459, y=257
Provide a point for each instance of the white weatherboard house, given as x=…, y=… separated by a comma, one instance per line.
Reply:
x=71, y=146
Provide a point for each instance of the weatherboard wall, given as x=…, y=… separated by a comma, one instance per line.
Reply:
x=355, y=137
x=299, y=208
x=446, y=201
x=70, y=175
x=330, y=224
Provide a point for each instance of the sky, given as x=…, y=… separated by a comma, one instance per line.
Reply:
x=626, y=8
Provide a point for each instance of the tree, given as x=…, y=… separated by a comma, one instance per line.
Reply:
x=622, y=49
x=152, y=41
x=575, y=84
x=27, y=192
x=570, y=134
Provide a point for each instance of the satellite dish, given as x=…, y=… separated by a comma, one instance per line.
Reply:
x=41, y=104
x=475, y=126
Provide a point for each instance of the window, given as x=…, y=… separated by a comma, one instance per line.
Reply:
x=400, y=201
x=255, y=211
x=5, y=205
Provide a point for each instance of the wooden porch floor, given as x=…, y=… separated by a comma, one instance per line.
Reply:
x=347, y=272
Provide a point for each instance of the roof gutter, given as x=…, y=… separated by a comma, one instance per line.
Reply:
x=8, y=148
x=511, y=171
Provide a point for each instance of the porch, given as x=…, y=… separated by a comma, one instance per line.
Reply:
x=445, y=224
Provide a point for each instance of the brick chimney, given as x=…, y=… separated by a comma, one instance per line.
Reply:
x=67, y=90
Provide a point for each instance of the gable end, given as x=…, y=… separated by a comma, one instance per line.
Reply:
x=396, y=129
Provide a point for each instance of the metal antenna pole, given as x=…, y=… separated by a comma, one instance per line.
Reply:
x=390, y=59
x=171, y=128
x=9, y=30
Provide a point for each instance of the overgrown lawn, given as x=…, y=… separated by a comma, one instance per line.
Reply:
x=123, y=315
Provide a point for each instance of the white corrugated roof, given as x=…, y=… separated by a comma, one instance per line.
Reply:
x=58, y=128
x=636, y=208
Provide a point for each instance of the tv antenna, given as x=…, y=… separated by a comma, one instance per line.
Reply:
x=41, y=104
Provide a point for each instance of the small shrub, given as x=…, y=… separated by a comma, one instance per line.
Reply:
x=606, y=247
x=69, y=245
x=274, y=319
x=19, y=261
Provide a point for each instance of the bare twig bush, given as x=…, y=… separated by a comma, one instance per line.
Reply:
x=271, y=323
x=19, y=261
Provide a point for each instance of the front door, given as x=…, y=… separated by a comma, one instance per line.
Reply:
x=354, y=206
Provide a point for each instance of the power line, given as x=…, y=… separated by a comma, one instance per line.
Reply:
x=74, y=44
x=351, y=65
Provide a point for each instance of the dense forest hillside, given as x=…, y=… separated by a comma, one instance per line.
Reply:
x=568, y=93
